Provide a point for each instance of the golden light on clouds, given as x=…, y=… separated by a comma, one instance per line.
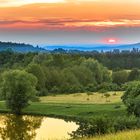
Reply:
x=9, y=3
x=68, y=24
x=69, y=15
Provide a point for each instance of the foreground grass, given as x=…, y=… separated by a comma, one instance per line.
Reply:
x=130, y=135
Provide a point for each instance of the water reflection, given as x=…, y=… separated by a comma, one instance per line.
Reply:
x=19, y=127
x=34, y=128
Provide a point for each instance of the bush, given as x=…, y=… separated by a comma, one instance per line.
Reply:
x=120, y=77
x=75, y=89
x=131, y=98
x=91, y=87
x=43, y=92
x=55, y=90
x=102, y=91
x=67, y=88
x=108, y=87
x=90, y=93
x=103, y=125
x=126, y=123
x=95, y=126
x=134, y=75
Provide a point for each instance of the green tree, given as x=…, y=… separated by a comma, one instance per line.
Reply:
x=83, y=74
x=54, y=79
x=99, y=72
x=38, y=72
x=18, y=88
x=69, y=82
x=134, y=75
x=120, y=77
x=131, y=98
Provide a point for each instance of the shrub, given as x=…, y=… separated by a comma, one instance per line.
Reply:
x=103, y=125
x=108, y=87
x=131, y=98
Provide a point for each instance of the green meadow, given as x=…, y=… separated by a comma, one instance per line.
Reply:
x=81, y=105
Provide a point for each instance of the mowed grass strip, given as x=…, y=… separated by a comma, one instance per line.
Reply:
x=84, y=98
x=77, y=110
x=72, y=110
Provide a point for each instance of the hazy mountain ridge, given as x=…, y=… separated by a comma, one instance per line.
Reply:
x=25, y=48
x=95, y=47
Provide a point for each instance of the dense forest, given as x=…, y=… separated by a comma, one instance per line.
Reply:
x=71, y=73
x=114, y=60
x=118, y=60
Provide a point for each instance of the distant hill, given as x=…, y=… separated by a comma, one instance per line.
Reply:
x=94, y=47
x=25, y=48
x=130, y=46
x=20, y=47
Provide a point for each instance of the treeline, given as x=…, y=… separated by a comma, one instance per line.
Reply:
x=113, y=60
x=117, y=61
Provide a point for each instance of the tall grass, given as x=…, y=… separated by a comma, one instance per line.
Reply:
x=130, y=135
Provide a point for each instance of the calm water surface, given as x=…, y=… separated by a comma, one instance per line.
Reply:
x=34, y=128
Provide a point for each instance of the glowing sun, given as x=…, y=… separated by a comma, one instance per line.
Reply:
x=112, y=41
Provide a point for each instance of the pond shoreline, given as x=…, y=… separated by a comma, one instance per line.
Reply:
x=69, y=111
x=64, y=117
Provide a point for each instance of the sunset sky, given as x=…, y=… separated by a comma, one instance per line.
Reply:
x=69, y=21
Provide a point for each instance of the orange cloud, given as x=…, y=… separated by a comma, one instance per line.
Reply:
x=89, y=15
x=88, y=10
x=69, y=24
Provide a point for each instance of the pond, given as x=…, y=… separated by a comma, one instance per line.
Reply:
x=34, y=128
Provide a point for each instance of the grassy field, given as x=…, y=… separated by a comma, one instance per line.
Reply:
x=85, y=105
x=83, y=98
x=130, y=135
x=76, y=106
